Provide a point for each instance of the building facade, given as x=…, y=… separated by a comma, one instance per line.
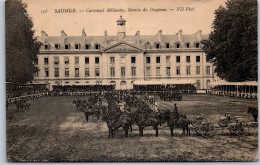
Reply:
x=122, y=59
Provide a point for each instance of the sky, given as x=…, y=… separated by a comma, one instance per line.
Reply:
x=197, y=15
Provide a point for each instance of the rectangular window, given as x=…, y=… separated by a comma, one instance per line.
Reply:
x=178, y=70
x=158, y=60
x=197, y=58
x=97, y=72
x=76, y=46
x=148, y=71
x=122, y=60
x=112, y=72
x=76, y=60
x=86, y=60
x=56, y=60
x=67, y=72
x=46, y=47
x=133, y=71
x=168, y=58
x=197, y=69
x=187, y=58
x=97, y=46
x=148, y=60
x=208, y=70
x=56, y=72
x=178, y=59
x=177, y=45
x=67, y=47
x=57, y=46
x=87, y=46
x=86, y=72
x=76, y=72
x=46, y=72
x=36, y=61
x=96, y=60
x=188, y=45
x=66, y=60
x=122, y=71
x=188, y=70
x=158, y=71
x=112, y=60
x=197, y=45
x=167, y=45
x=168, y=71
x=46, y=61
x=133, y=60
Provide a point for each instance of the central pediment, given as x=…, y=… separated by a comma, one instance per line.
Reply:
x=122, y=47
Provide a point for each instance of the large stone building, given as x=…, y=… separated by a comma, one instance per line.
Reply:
x=123, y=59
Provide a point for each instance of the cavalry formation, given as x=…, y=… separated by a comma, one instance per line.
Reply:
x=124, y=109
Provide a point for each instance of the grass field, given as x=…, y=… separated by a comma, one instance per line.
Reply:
x=53, y=130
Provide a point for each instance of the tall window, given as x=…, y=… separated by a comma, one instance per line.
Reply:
x=76, y=72
x=208, y=82
x=167, y=45
x=197, y=45
x=158, y=70
x=66, y=60
x=97, y=72
x=178, y=45
x=168, y=71
x=96, y=60
x=36, y=61
x=197, y=58
x=178, y=70
x=168, y=58
x=76, y=46
x=112, y=72
x=87, y=46
x=46, y=61
x=97, y=46
x=198, y=84
x=188, y=45
x=67, y=46
x=46, y=72
x=157, y=46
x=208, y=70
x=187, y=58
x=188, y=70
x=76, y=60
x=158, y=60
x=46, y=47
x=197, y=69
x=86, y=60
x=56, y=60
x=56, y=72
x=122, y=71
x=112, y=60
x=148, y=71
x=178, y=59
x=67, y=72
x=57, y=46
x=133, y=60
x=133, y=71
x=148, y=60
x=122, y=60
x=86, y=72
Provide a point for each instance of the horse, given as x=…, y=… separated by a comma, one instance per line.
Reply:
x=92, y=111
x=254, y=112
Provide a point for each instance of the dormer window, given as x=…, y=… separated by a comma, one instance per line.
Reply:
x=46, y=47
x=67, y=46
x=97, y=46
x=157, y=46
x=197, y=45
x=76, y=46
x=147, y=45
x=167, y=45
x=178, y=45
x=188, y=45
x=87, y=46
x=57, y=46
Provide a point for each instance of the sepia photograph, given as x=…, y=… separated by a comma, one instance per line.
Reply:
x=131, y=81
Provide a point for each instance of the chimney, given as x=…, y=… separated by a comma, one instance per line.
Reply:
x=43, y=35
x=105, y=34
x=63, y=34
x=199, y=35
x=83, y=33
x=137, y=35
x=180, y=35
x=159, y=34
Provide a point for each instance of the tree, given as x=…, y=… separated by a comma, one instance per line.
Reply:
x=232, y=45
x=21, y=45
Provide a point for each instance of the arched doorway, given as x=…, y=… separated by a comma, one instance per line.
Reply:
x=123, y=85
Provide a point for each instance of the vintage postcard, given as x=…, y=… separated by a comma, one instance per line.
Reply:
x=131, y=81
